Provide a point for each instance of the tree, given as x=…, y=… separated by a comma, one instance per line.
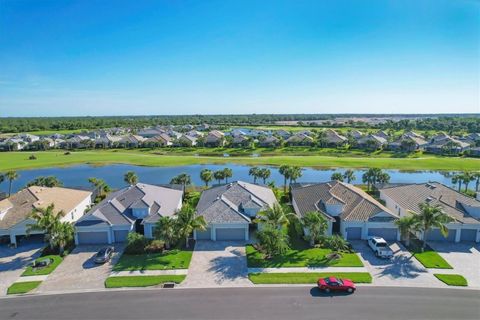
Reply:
x=349, y=175
x=337, y=176
x=166, y=229
x=316, y=225
x=275, y=216
x=219, y=175
x=457, y=178
x=188, y=222
x=11, y=176
x=431, y=216
x=206, y=175
x=475, y=175
x=50, y=181
x=285, y=171
x=183, y=179
x=101, y=186
x=374, y=176
x=2, y=178
x=63, y=235
x=227, y=173
x=295, y=173
x=467, y=177
x=264, y=174
x=131, y=178
x=406, y=225
x=273, y=241
x=255, y=173
x=45, y=220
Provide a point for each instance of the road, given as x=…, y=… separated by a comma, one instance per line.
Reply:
x=368, y=303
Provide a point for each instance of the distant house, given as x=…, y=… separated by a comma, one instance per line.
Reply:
x=186, y=141
x=355, y=134
x=446, y=145
x=371, y=142
x=474, y=152
x=15, y=211
x=348, y=210
x=229, y=210
x=333, y=138
x=464, y=211
x=162, y=140
x=131, y=209
x=283, y=134
x=473, y=139
x=382, y=134
x=413, y=134
x=299, y=139
x=269, y=142
x=77, y=142
x=407, y=143
x=215, y=138
x=240, y=141
x=195, y=134
x=131, y=141
x=150, y=132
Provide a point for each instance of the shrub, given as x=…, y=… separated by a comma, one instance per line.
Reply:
x=67, y=153
x=156, y=246
x=32, y=157
x=135, y=243
x=337, y=243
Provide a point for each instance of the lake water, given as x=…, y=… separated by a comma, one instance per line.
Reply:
x=77, y=176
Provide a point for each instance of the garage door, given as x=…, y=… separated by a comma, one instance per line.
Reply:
x=354, y=233
x=203, y=235
x=120, y=235
x=385, y=233
x=230, y=234
x=436, y=235
x=92, y=237
x=468, y=235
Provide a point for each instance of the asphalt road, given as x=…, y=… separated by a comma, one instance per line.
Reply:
x=249, y=303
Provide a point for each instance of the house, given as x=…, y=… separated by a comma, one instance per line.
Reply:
x=195, y=134
x=215, y=138
x=162, y=140
x=464, y=211
x=355, y=134
x=150, y=132
x=413, y=134
x=333, y=138
x=473, y=139
x=131, y=141
x=446, y=145
x=407, y=143
x=28, y=138
x=299, y=139
x=284, y=134
x=15, y=211
x=371, y=142
x=349, y=211
x=229, y=209
x=240, y=141
x=13, y=144
x=269, y=142
x=382, y=134
x=186, y=141
x=474, y=152
x=77, y=142
x=131, y=209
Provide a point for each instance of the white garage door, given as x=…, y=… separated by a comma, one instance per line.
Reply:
x=354, y=233
x=203, y=235
x=92, y=237
x=230, y=234
x=120, y=235
x=385, y=233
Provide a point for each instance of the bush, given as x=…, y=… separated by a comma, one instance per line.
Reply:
x=67, y=153
x=32, y=157
x=135, y=243
x=156, y=246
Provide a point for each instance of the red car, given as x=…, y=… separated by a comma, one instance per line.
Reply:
x=335, y=284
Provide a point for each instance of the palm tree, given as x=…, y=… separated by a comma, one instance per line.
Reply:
x=273, y=241
x=275, y=216
x=188, y=222
x=467, y=177
x=2, y=178
x=406, y=225
x=206, y=175
x=285, y=171
x=11, y=176
x=457, y=179
x=100, y=185
x=349, y=175
x=337, y=243
x=264, y=174
x=476, y=175
x=219, y=175
x=63, y=234
x=295, y=173
x=131, y=178
x=45, y=220
x=316, y=225
x=255, y=173
x=50, y=181
x=374, y=175
x=183, y=179
x=431, y=216
x=227, y=173
x=166, y=229
x=337, y=176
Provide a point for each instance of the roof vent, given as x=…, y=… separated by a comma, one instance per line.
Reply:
x=429, y=199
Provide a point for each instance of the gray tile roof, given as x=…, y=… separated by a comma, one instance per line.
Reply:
x=452, y=202
x=224, y=204
x=357, y=204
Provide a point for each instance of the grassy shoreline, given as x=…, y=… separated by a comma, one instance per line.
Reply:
x=142, y=157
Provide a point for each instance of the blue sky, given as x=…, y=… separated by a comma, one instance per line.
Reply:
x=188, y=57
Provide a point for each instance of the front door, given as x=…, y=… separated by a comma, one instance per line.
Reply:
x=336, y=226
x=139, y=228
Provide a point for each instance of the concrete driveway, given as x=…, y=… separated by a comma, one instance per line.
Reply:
x=14, y=260
x=463, y=257
x=218, y=264
x=78, y=271
x=402, y=270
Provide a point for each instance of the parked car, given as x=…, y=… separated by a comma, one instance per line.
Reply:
x=380, y=247
x=335, y=284
x=104, y=255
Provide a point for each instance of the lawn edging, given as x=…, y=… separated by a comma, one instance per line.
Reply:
x=23, y=287
x=452, y=279
x=306, y=278
x=141, y=281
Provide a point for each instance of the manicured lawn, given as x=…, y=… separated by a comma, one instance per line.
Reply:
x=431, y=259
x=173, y=259
x=305, y=278
x=43, y=271
x=300, y=257
x=162, y=157
x=23, y=287
x=141, y=281
x=452, y=279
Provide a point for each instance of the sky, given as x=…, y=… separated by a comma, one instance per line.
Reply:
x=88, y=57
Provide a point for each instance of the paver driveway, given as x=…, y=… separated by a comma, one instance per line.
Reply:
x=217, y=264
x=402, y=270
x=78, y=271
x=464, y=257
x=13, y=262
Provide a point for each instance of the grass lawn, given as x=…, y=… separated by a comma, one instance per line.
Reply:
x=452, y=279
x=23, y=287
x=43, y=271
x=173, y=259
x=431, y=259
x=147, y=157
x=301, y=257
x=305, y=278
x=141, y=281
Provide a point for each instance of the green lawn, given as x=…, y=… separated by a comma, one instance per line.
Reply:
x=301, y=257
x=306, y=278
x=173, y=259
x=43, y=271
x=23, y=287
x=144, y=157
x=141, y=281
x=452, y=279
x=431, y=259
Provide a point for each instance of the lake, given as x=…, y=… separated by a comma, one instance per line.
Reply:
x=77, y=176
